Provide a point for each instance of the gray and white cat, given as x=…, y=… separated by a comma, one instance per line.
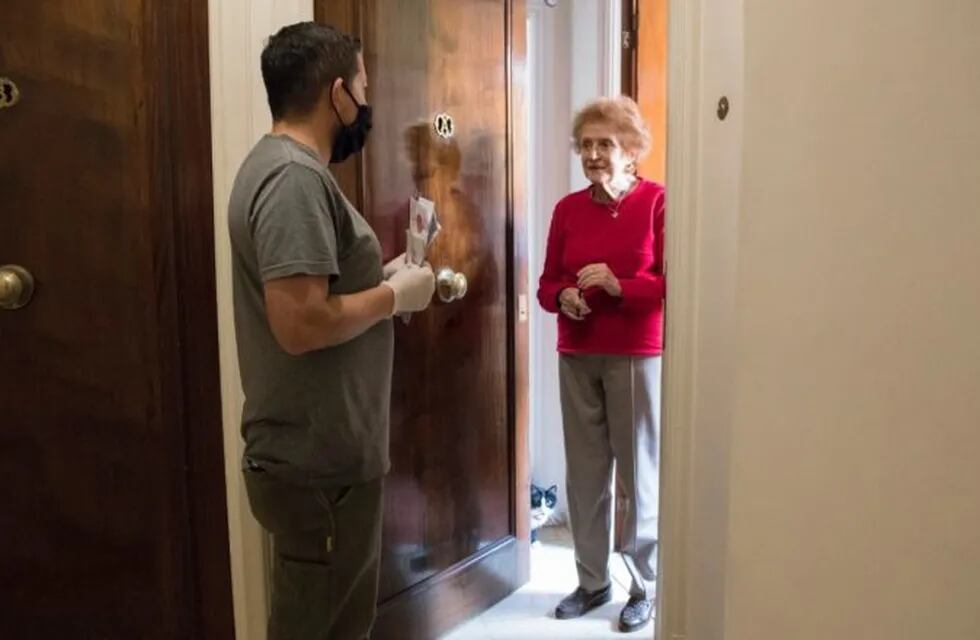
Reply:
x=543, y=503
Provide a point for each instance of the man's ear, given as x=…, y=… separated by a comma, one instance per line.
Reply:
x=336, y=89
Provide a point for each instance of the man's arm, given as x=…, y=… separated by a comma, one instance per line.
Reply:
x=305, y=317
x=296, y=250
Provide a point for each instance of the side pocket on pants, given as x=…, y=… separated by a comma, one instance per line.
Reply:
x=303, y=601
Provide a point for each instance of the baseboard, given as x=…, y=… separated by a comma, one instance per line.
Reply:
x=435, y=606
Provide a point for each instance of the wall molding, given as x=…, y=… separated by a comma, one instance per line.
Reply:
x=239, y=117
x=680, y=318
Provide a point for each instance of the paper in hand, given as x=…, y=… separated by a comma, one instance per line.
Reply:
x=423, y=227
x=434, y=226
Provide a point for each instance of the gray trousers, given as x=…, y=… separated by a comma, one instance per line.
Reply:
x=327, y=549
x=611, y=412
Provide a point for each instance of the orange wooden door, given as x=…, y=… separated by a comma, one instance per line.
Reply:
x=645, y=66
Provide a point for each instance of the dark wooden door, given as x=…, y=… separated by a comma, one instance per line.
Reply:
x=454, y=534
x=112, y=505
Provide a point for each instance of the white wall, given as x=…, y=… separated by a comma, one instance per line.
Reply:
x=239, y=116
x=569, y=65
x=850, y=458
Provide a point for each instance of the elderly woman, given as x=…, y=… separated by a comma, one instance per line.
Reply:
x=603, y=276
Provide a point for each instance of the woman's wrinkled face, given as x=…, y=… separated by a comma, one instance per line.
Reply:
x=604, y=160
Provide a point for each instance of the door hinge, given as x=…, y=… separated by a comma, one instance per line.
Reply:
x=629, y=39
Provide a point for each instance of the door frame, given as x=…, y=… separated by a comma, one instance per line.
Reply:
x=705, y=62
x=517, y=282
x=182, y=137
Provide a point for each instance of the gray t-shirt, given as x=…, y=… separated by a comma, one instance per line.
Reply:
x=319, y=419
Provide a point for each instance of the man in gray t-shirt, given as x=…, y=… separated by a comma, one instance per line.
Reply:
x=318, y=418
x=313, y=308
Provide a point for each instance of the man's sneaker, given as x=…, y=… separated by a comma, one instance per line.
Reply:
x=581, y=602
x=636, y=614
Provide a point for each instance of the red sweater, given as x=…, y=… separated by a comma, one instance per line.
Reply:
x=632, y=245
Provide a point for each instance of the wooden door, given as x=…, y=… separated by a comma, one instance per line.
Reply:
x=455, y=532
x=646, y=61
x=112, y=505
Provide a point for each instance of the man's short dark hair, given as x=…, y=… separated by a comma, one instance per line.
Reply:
x=302, y=60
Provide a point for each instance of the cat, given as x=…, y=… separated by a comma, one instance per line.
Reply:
x=543, y=503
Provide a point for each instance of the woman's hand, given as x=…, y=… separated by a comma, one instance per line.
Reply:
x=599, y=275
x=573, y=304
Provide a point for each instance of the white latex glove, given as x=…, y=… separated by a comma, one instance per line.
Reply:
x=389, y=269
x=413, y=287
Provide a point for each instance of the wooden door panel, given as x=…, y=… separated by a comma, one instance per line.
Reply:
x=448, y=493
x=448, y=545
x=95, y=461
x=651, y=86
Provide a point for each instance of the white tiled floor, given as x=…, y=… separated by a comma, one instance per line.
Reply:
x=529, y=613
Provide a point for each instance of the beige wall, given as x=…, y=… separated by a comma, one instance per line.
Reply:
x=239, y=116
x=854, y=479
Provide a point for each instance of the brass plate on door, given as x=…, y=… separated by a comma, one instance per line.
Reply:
x=444, y=126
x=9, y=93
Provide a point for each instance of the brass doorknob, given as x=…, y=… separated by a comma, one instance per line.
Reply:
x=16, y=287
x=450, y=286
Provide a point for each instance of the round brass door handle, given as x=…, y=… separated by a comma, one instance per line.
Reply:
x=450, y=286
x=16, y=287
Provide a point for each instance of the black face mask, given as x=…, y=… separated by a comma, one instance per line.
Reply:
x=351, y=137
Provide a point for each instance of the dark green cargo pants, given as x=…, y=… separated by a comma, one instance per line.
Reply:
x=326, y=546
